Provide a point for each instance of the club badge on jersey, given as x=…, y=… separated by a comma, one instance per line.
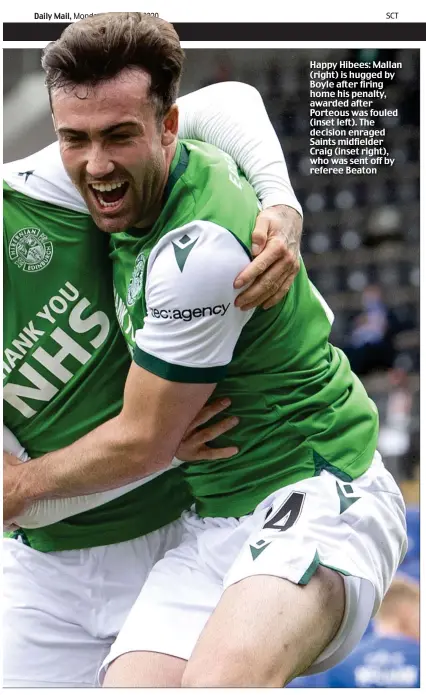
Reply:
x=30, y=249
x=136, y=281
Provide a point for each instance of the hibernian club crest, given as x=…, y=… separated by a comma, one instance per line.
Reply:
x=134, y=290
x=30, y=249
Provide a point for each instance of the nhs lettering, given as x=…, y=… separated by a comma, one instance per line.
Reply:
x=33, y=363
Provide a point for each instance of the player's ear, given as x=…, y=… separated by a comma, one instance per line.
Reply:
x=170, y=126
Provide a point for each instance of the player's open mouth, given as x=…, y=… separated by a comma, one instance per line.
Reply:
x=109, y=196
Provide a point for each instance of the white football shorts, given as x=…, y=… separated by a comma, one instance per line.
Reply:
x=357, y=528
x=63, y=610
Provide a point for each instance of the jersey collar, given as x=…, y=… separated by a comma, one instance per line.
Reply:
x=177, y=168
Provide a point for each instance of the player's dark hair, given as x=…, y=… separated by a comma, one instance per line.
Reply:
x=97, y=48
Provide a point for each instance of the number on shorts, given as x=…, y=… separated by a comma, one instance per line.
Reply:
x=288, y=513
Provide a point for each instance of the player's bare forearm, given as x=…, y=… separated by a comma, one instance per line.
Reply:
x=33, y=513
x=106, y=458
x=109, y=457
x=140, y=441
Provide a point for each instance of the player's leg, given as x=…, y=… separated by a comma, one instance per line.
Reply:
x=281, y=617
x=321, y=521
x=266, y=630
x=180, y=594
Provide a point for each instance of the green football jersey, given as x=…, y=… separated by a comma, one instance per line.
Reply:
x=301, y=408
x=65, y=361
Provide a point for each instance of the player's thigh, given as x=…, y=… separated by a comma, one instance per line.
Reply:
x=265, y=630
x=45, y=642
x=355, y=529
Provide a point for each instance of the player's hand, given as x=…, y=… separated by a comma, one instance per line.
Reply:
x=14, y=500
x=275, y=245
x=193, y=446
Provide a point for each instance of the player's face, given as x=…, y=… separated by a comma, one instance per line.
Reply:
x=114, y=149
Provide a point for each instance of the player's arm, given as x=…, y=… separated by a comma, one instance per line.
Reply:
x=140, y=441
x=176, y=366
x=193, y=447
x=232, y=116
x=137, y=443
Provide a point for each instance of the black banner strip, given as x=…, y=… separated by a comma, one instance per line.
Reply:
x=388, y=31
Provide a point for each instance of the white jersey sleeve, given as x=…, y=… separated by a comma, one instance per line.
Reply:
x=12, y=446
x=232, y=116
x=42, y=176
x=192, y=325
